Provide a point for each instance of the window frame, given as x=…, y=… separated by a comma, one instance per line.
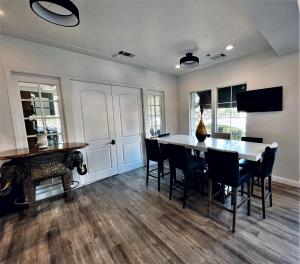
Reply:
x=17, y=109
x=214, y=105
x=231, y=102
x=191, y=131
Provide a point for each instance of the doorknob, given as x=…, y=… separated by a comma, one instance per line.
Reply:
x=113, y=142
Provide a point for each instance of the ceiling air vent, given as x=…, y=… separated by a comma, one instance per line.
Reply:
x=123, y=53
x=218, y=57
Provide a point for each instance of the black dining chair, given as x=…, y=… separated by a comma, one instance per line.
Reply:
x=157, y=153
x=192, y=167
x=248, y=164
x=265, y=172
x=223, y=168
x=221, y=135
x=164, y=135
x=198, y=153
x=252, y=139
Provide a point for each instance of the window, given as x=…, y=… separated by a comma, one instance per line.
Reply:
x=229, y=120
x=41, y=113
x=155, y=120
x=195, y=113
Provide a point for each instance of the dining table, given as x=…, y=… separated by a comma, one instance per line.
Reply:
x=246, y=150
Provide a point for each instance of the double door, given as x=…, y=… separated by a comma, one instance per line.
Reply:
x=110, y=118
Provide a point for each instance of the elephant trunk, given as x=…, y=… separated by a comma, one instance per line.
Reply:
x=75, y=160
x=82, y=170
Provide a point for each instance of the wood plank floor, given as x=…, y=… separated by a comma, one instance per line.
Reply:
x=120, y=220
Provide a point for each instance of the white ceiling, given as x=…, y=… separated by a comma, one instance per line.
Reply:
x=158, y=32
x=278, y=21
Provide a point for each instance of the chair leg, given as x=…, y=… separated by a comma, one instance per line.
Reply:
x=172, y=172
x=147, y=176
x=209, y=196
x=158, y=175
x=263, y=200
x=234, y=207
x=249, y=197
x=252, y=185
x=223, y=193
x=162, y=169
x=185, y=189
x=242, y=189
x=270, y=190
x=231, y=198
x=202, y=185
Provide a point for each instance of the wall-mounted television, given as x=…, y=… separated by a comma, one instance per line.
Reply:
x=261, y=100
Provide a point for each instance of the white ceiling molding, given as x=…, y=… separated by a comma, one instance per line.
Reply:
x=278, y=21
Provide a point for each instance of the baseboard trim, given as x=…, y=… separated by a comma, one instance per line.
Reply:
x=286, y=181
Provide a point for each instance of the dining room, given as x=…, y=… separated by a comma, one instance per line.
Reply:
x=149, y=131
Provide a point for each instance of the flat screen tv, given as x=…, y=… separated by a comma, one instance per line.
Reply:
x=261, y=100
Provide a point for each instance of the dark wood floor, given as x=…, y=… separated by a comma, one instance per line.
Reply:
x=120, y=220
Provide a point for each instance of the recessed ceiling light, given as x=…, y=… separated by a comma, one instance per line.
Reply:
x=177, y=66
x=229, y=47
x=1, y=12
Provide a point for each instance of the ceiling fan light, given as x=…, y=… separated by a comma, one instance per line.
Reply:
x=189, y=61
x=70, y=19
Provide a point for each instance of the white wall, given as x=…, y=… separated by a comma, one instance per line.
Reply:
x=29, y=57
x=258, y=71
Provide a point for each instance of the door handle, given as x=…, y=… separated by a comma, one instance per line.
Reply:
x=113, y=142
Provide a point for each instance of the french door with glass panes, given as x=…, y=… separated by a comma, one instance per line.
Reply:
x=37, y=110
x=154, y=112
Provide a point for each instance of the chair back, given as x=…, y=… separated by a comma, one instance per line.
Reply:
x=252, y=139
x=268, y=161
x=178, y=157
x=221, y=135
x=152, y=149
x=223, y=166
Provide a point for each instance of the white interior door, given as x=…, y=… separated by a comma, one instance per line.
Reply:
x=98, y=129
x=127, y=105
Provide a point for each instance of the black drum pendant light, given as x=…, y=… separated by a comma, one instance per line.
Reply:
x=189, y=61
x=60, y=12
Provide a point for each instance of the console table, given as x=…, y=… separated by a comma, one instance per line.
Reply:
x=31, y=166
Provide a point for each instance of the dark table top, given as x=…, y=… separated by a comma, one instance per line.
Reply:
x=23, y=153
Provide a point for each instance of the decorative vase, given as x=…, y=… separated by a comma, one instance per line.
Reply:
x=42, y=141
x=201, y=132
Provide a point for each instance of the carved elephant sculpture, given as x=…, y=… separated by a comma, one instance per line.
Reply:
x=75, y=160
x=11, y=172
